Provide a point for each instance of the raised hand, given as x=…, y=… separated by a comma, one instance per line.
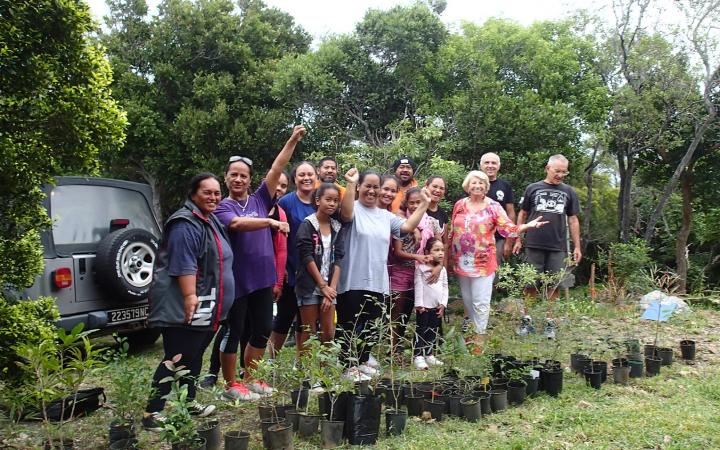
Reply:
x=352, y=176
x=298, y=133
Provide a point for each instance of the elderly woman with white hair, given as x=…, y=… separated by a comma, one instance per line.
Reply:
x=471, y=248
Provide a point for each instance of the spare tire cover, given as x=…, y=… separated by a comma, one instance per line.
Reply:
x=124, y=262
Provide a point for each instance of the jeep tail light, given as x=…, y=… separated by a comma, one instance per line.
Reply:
x=118, y=224
x=62, y=278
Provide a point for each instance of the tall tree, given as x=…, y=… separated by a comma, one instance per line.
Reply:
x=196, y=82
x=56, y=116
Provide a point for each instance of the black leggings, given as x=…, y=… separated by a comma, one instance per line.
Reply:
x=356, y=313
x=428, y=326
x=287, y=310
x=403, y=318
x=191, y=344
x=253, y=310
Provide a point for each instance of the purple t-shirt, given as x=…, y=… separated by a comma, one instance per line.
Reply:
x=254, y=257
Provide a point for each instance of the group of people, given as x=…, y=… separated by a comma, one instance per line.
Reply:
x=330, y=257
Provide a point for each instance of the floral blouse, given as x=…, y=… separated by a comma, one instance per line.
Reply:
x=472, y=237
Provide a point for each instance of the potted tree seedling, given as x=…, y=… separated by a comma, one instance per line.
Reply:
x=131, y=389
x=412, y=397
x=179, y=429
x=309, y=422
x=60, y=366
x=329, y=371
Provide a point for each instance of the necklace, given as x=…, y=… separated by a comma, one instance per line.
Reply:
x=247, y=199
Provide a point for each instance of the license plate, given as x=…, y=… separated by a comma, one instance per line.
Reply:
x=127, y=315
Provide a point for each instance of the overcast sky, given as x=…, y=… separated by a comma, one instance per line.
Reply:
x=320, y=17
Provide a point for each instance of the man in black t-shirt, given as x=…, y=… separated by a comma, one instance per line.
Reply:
x=501, y=192
x=546, y=247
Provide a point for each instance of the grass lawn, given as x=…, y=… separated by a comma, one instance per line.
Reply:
x=679, y=409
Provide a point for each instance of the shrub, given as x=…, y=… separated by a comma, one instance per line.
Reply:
x=625, y=263
x=23, y=322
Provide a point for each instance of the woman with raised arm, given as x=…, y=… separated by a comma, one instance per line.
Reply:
x=471, y=248
x=364, y=277
x=246, y=216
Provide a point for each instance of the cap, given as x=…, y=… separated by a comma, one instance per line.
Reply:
x=404, y=160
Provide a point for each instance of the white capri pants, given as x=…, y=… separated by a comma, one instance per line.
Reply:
x=476, y=293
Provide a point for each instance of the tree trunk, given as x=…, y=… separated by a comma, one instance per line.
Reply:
x=682, y=165
x=587, y=211
x=681, y=255
x=627, y=168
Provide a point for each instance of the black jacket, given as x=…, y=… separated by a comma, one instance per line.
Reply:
x=166, y=299
x=310, y=248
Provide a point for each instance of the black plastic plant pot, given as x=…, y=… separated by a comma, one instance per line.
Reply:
x=425, y=391
x=600, y=366
x=121, y=430
x=300, y=398
x=414, y=405
x=445, y=399
x=455, y=409
x=652, y=366
x=125, y=444
x=339, y=411
x=666, y=355
x=362, y=388
x=210, y=430
x=237, y=440
x=331, y=433
x=583, y=364
x=553, y=381
x=620, y=362
x=498, y=400
x=499, y=383
x=471, y=408
x=593, y=378
x=308, y=425
x=267, y=411
x=531, y=385
x=280, y=437
x=393, y=396
x=435, y=408
x=687, y=348
x=575, y=362
x=362, y=423
x=516, y=392
x=540, y=370
x=407, y=389
x=293, y=418
x=650, y=350
x=636, y=368
x=621, y=374
x=267, y=423
x=395, y=420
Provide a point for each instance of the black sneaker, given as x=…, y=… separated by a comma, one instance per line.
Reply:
x=200, y=410
x=208, y=382
x=153, y=421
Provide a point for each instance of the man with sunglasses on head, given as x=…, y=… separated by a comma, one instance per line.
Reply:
x=546, y=247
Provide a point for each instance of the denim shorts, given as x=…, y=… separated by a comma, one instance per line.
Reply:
x=312, y=299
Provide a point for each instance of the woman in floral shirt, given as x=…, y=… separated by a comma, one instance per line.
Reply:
x=471, y=242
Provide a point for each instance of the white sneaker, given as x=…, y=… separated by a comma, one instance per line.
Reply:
x=372, y=362
x=367, y=370
x=420, y=363
x=354, y=374
x=431, y=360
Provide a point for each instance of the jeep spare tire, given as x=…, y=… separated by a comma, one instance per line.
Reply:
x=124, y=262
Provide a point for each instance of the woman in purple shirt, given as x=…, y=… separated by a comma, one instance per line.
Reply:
x=246, y=216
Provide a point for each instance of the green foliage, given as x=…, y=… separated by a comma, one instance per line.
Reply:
x=59, y=365
x=195, y=80
x=625, y=263
x=179, y=427
x=130, y=386
x=56, y=116
x=24, y=323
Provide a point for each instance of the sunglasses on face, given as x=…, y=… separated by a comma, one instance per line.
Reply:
x=243, y=159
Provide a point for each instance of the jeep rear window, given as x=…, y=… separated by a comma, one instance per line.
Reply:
x=81, y=214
